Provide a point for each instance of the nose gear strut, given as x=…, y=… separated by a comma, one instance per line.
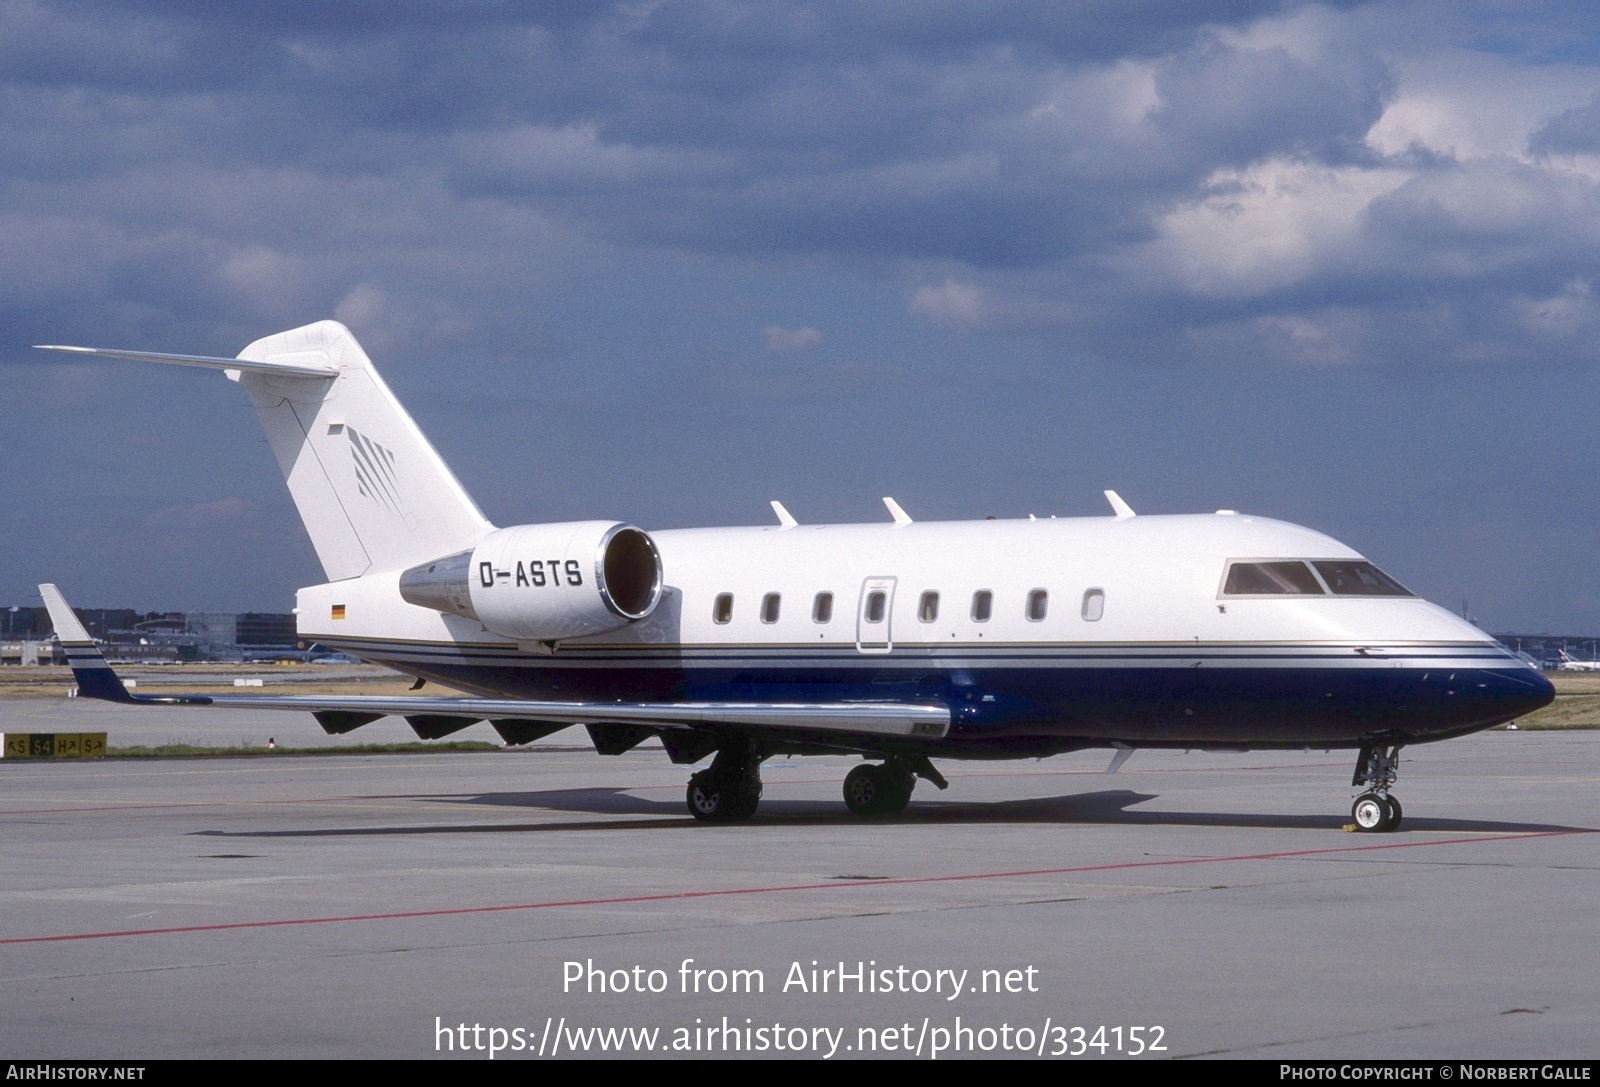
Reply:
x=1377, y=767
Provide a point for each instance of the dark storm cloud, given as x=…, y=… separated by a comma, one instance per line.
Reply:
x=282, y=155
x=533, y=213
x=1575, y=130
x=177, y=158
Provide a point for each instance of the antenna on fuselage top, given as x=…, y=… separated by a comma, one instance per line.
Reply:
x=901, y=517
x=1119, y=507
x=785, y=518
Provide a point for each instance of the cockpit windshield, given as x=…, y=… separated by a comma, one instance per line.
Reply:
x=1359, y=579
x=1271, y=579
x=1295, y=577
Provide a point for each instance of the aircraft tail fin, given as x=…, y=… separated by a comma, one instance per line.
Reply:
x=371, y=490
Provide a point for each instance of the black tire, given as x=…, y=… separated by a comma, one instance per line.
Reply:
x=713, y=801
x=895, y=791
x=745, y=802
x=705, y=799
x=1395, y=813
x=1370, y=813
x=877, y=790
x=863, y=789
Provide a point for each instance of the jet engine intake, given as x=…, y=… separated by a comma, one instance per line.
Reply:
x=545, y=582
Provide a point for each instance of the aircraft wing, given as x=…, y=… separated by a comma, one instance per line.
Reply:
x=439, y=716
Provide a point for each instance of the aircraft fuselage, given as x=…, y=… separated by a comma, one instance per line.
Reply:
x=1041, y=635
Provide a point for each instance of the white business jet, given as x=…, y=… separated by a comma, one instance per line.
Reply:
x=902, y=642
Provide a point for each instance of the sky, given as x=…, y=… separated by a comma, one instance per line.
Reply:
x=663, y=262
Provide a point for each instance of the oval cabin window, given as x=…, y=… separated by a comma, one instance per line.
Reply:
x=1094, y=604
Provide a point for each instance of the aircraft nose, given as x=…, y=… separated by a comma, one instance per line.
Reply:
x=1474, y=699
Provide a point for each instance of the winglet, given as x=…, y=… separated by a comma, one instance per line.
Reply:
x=901, y=517
x=785, y=518
x=1124, y=753
x=95, y=677
x=1118, y=506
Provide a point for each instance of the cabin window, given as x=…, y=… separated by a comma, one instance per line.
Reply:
x=822, y=608
x=1038, y=605
x=722, y=608
x=1359, y=579
x=769, y=607
x=875, y=605
x=1094, y=605
x=1272, y=579
x=982, y=605
x=928, y=607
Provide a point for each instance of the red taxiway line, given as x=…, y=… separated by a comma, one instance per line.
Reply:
x=678, y=896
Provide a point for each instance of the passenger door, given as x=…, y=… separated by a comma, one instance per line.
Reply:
x=874, y=615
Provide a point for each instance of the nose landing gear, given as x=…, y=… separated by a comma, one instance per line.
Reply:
x=1377, y=767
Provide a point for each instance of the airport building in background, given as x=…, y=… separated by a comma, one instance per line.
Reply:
x=172, y=637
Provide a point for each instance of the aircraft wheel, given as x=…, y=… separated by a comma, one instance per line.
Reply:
x=705, y=799
x=713, y=801
x=745, y=802
x=863, y=790
x=877, y=790
x=1370, y=812
x=1393, y=821
x=895, y=791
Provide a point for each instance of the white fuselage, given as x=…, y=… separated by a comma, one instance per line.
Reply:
x=1097, y=630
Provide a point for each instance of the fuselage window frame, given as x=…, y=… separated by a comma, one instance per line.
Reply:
x=1357, y=577
x=771, y=607
x=722, y=609
x=928, y=607
x=876, y=608
x=822, y=608
x=1038, y=605
x=982, y=605
x=1094, y=605
x=1310, y=584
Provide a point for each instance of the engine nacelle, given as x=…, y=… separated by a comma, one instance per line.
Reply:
x=541, y=583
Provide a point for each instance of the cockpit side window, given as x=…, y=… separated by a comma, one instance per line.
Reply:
x=1359, y=579
x=1271, y=579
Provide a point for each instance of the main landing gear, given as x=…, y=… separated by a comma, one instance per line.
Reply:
x=729, y=790
x=886, y=789
x=1376, y=768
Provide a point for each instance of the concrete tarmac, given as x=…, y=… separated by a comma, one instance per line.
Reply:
x=1205, y=904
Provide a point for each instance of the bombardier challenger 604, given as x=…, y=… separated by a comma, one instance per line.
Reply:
x=902, y=642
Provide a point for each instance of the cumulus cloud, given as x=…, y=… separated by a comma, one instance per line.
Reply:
x=1066, y=167
x=1269, y=227
x=952, y=304
x=365, y=303
x=1574, y=130
x=779, y=338
x=521, y=205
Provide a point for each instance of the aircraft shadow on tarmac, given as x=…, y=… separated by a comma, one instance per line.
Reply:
x=1109, y=807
